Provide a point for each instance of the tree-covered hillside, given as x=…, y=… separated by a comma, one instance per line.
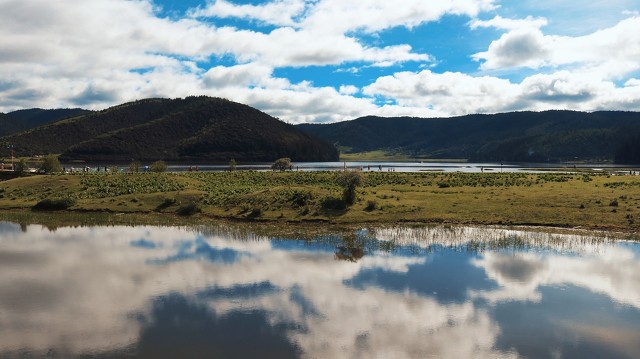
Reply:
x=193, y=129
x=517, y=136
x=22, y=120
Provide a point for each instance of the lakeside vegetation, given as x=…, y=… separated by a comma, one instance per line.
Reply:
x=589, y=201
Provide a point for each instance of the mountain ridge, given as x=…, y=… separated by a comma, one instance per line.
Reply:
x=527, y=136
x=23, y=120
x=191, y=129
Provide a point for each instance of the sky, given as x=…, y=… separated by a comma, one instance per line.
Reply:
x=322, y=61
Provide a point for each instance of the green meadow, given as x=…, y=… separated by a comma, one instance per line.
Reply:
x=588, y=201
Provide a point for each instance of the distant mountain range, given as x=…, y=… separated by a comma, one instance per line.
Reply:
x=22, y=120
x=205, y=129
x=550, y=136
x=194, y=129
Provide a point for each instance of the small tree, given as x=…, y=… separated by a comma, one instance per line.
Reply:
x=282, y=164
x=349, y=181
x=21, y=167
x=51, y=164
x=158, y=166
x=232, y=164
x=134, y=166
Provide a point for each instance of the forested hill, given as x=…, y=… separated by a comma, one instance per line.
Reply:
x=550, y=136
x=191, y=129
x=22, y=120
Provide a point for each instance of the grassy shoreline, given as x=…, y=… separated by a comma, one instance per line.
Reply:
x=577, y=201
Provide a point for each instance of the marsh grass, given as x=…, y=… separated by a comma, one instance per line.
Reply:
x=548, y=199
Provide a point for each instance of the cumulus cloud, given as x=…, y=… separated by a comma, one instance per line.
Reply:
x=608, y=52
x=98, y=53
x=499, y=22
x=459, y=94
x=519, y=48
x=340, y=17
x=278, y=12
x=348, y=90
x=449, y=93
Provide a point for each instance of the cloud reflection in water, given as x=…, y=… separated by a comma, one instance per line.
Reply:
x=142, y=291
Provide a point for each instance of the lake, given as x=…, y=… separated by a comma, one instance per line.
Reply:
x=397, y=292
x=386, y=166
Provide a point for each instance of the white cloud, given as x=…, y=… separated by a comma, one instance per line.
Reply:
x=458, y=94
x=339, y=16
x=278, y=12
x=342, y=17
x=499, y=22
x=98, y=53
x=610, y=52
x=518, y=48
x=448, y=93
x=348, y=90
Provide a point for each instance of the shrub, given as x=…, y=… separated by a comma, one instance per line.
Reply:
x=282, y=164
x=349, y=181
x=301, y=198
x=614, y=203
x=53, y=204
x=21, y=167
x=189, y=210
x=333, y=203
x=166, y=203
x=51, y=164
x=134, y=166
x=255, y=212
x=158, y=166
x=371, y=205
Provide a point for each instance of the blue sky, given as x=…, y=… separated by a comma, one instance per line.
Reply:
x=324, y=60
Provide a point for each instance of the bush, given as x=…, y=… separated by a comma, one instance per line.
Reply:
x=282, y=164
x=53, y=204
x=134, y=166
x=255, y=213
x=189, y=210
x=371, y=205
x=301, y=198
x=349, y=181
x=334, y=203
x=166, y=203
x=21, y=167
x=51, y=164
x=158, y=166
x=614, y=203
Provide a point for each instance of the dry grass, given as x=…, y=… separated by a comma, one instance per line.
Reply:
x=492, y=198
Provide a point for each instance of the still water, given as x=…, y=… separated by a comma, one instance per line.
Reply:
x=386, y=166
x=170, y=292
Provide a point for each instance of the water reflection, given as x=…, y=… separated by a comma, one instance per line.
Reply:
x=385, y=292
